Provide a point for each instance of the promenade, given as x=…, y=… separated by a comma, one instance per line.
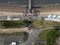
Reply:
x=11, y=30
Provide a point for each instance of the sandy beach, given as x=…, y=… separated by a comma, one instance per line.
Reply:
x=48, y=10
x=11, y=10
x=18, y=10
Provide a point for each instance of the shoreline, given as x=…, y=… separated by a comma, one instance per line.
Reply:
x=18, y=10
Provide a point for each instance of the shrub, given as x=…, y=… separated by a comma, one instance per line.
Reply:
x=13, y=24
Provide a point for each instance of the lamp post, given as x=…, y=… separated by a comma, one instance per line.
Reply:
x=29, y=5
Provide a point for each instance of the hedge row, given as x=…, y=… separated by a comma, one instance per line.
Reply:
x=14, y=24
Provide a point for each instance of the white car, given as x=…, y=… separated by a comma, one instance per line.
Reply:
x=13, y=43
x=9, y=17
x=16, y=19
x=58, y=17
x=54, y=16
x=49, y=16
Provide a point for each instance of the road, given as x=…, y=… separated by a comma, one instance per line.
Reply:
x=21, y=17
x=33, y=35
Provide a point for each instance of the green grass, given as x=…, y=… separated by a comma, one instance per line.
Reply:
x=42, y=35
x=52, y=35
x=1, y=22
x=48, y=35
x=24, y=23
x=37, y=23
x=44, y=24
x=14, y=24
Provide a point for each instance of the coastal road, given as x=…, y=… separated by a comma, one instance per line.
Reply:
x=21, y=17
x=33, y=35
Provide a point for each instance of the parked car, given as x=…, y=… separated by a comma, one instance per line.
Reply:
x=13, y=43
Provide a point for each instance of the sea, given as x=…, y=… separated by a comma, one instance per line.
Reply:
x=25, y=2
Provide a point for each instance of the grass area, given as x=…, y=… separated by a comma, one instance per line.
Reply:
x=37, y=23
x=48, y=24
x=44, y=24
x=24, y=23
x=14, y=24
x=1, y=22
x=52, y=36
x=42, y=35
x=49, y=35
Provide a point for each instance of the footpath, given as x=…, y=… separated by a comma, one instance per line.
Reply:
x=11, y=30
